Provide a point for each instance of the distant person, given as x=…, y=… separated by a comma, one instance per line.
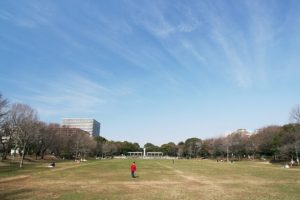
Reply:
x=286, y=166
x=292, y=162
x=133, y=169
x=51, y=165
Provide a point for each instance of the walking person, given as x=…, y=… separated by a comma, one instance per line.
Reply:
x=133, y=169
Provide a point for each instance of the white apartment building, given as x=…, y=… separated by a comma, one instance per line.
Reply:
x=90, y=125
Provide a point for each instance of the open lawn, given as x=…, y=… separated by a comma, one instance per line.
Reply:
x=157, y=179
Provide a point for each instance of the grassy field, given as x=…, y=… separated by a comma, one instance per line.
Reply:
x=157, y=179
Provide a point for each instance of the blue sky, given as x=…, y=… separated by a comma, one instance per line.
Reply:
x=153, y=71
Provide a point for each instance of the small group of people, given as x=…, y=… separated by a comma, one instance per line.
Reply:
x=291, y=164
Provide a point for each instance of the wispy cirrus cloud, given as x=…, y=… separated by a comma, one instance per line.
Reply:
x=241, y=34
x=70, y=95
x=28, y=14
x=156, y=19
x=243, y=42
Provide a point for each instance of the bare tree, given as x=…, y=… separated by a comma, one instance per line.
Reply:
x=295, y=115
x=180, y=149
x=24, y=120
x=100, y=141
x=193, y=147
x=59, y=145
x=5, y=131
x=238, y=143
x=252, y=145
x=45, y=137
x=72, y=142
x=109, y=148
x=3, y=107
x=6, y=138
x=80, y=143
x=87, y=145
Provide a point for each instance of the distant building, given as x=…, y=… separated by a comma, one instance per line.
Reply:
x=243, y=132
x=71, y=132
x=89, y=125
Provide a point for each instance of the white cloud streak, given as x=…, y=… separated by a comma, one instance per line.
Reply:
x=68, y=96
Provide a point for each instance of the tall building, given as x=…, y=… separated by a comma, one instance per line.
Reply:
x=89, y=125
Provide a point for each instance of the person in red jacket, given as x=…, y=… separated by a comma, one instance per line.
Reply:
x=133, y=169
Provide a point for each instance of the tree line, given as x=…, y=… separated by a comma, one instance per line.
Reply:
x=22, y=133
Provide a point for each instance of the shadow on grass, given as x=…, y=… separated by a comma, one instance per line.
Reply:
x=15, y=194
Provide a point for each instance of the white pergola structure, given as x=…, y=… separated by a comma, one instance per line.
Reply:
x=135, y=153
x=154, y=154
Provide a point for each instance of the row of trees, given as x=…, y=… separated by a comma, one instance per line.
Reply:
x=23, y=133
x=275, y=142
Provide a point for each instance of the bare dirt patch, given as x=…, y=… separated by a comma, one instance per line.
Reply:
x=15, y=178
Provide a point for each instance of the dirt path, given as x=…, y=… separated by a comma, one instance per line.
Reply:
x=75, y=165
x=14, y=178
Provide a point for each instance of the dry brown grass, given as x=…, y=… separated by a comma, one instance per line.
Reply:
x=157, y=180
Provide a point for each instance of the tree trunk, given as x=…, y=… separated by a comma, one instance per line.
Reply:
x=43, y=154
x=227, y=155
x=297, y=157
x=77, y=150
x=4, y=156
x=23, y=156
x=4, y=153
